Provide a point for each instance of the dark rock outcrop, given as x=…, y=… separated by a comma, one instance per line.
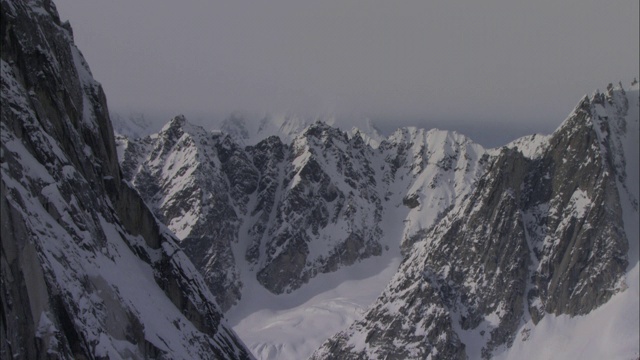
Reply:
x=87, y=271
x=540, y=233
x=271, y=201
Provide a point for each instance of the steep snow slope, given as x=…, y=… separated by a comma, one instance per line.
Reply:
x=87, y=271
x=369, y=133
x=610, y=331
x=289, y=211
x=433, y=171
x=539, y=248
x=196, y=182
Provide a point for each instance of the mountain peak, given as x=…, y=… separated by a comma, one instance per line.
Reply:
x=178, y=121
x=178, y=126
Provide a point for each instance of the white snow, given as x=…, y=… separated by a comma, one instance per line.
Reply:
x=531, y=146
x=608, y=332
x=369, y=133
x=293, y=326
x=581, y=203
x=133, y=126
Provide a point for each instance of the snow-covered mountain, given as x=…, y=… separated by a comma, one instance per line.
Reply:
x=87, y=270
x=287, y=212
x=369, y=133
x=283, y=212
x=546, y=238
x=493, y=241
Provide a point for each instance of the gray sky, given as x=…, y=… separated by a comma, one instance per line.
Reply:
x=501, y=67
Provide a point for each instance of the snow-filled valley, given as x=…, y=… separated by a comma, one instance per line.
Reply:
x=292, y=326
x=290, y=238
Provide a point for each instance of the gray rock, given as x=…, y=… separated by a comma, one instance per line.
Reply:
x=540, y=233
x=70, y=226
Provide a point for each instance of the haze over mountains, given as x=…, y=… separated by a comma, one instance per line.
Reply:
x=307, y=240
x=483, y=131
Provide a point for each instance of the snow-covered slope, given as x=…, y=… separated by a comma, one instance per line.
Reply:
x=133, y=126
x=369, y=133
x=288, y=212
x=196, y=182
x=544, y=248
x=433, y=171
x=87, y=271
x=610, y=331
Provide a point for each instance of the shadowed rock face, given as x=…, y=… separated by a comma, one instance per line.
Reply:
x=579, y=244
x=269, y=202
x=538, y=234
x=87, y=271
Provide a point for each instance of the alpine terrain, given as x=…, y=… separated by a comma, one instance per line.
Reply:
x=492, y=242
x=306, y=240
x=87, y=270
x=549, y=229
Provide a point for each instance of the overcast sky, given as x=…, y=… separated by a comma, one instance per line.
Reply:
x=509, y=66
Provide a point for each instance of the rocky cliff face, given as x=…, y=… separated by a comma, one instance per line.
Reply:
x=328, y=213
x=540, y=233
x=288, y=211
x=87, y=270
x=184, y=180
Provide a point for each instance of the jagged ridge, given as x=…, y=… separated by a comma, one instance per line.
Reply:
x=540, y=233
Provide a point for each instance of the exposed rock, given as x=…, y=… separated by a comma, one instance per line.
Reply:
x=411, y=201
x=541, y=232
x=277, y=198
x=87, y=271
